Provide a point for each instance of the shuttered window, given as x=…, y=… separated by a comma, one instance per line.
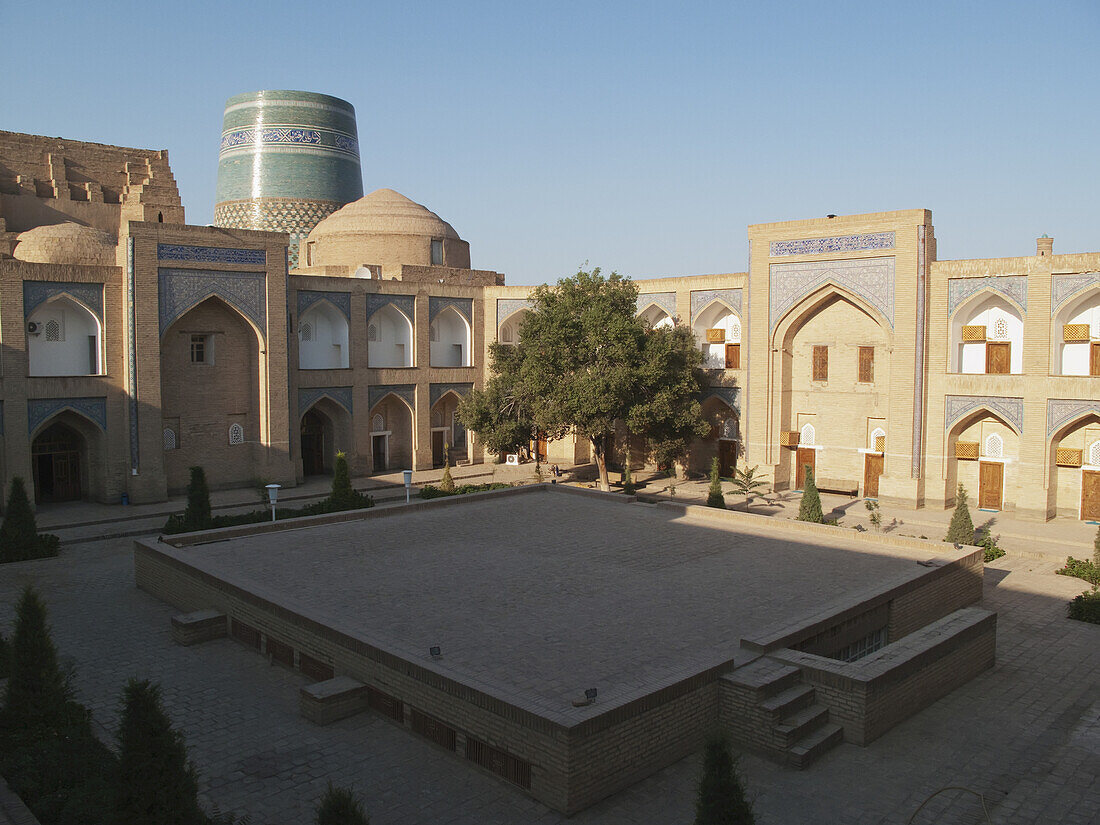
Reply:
x=866, y=365
x=733, y=356
x=821, y=363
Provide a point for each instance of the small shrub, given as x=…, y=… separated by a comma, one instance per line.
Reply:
x=339, y=806
x=157, y=784
x=961, y=529
x=1081, y=569
x=714, y=492
x=19, y=536
x=431, y=491
x=343, y=495
x=37, y=690
x=1086, y=607
x=991, y=549
x=720, y=799
x=447, y=484
x=197, y=514
x=1096, y=548
x=810, y=507
x=874, y=513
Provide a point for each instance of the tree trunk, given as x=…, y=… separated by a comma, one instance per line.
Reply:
x=599, y=448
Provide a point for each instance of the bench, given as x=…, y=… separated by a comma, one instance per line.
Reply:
x=331, y=700
x=836, y=485
x=200, y=626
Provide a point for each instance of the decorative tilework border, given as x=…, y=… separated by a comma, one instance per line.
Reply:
x=406, y=392
x=308, y=396
x=182, y=289
x=844, y=243
x=437, y=391
x=1061, y=411
x=1011, y=409
x=1013, y=287
x=665, y=301
x=918, y=359
x=309, y=297
x=509, y=306
x=36, y=293
x=1065, y=287
x=405, y=303
x=41, y=409
x=731, y=395
x=211, y=254
x=438, y=303
x=253, y=138
x=870, y=278
x=700, y=299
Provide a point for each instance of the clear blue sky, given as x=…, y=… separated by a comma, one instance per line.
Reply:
x=640, y=137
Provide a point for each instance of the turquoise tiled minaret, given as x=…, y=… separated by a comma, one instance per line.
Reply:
x=287, y=160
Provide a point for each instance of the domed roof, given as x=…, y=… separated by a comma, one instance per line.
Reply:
x=66, y=243
x=384, y=212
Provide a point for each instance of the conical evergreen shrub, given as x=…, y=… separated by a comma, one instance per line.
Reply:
x=343, y=494
x=810, y=507
x=1096, y=548
x=37, y=691
x=714, y=492
x=961, y=529
x=339, y=806
x=197, y=515
x=19, y=537
x=157, y=785
x=721, y=796
x=447, y=484
x=627, y=479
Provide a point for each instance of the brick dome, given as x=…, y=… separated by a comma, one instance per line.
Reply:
x=66, y=243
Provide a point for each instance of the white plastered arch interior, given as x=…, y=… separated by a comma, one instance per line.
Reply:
x=389, y=338
x=323, y=338
x=716, y=315
x=66, y=339
x=449, y=339
x=1003, y=324
x=1073, y=357
x=655, y=317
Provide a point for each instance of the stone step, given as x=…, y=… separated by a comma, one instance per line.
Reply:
x=788, y=701
x=765, y=676
x=801, y=723
x=814, y=744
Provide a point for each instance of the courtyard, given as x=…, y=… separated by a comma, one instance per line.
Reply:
x=1025, y=734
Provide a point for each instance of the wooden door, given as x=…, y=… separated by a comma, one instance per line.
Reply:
x=1090, y=495
x=313, y=445
x=733, y=356
x=378, y=449
x=1094, y=358
x=998, y=358
x=872, y=469
x=990, y=485
x=438, y=440
x=727, y=458
x=803, y=458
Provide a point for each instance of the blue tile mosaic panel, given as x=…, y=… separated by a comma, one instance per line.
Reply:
x=211, y=254
x=41, y=409
x=36, y=293
x=844, y=243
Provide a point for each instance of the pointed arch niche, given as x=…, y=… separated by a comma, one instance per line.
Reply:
x=716, y=328
x=987, y=336
x=323, y=338
x=66, y=339
x=389, y=338
x=449, y=339
x=391, y=434
x=982, y=454
x=1077, y=336
x=1074, y=461
x=653, y=317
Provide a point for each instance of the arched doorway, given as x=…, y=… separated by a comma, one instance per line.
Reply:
x=391, y=435
x=448, y=433
x=316, y=443
x=56, y=458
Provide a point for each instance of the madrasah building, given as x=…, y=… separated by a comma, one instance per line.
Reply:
x=311, y=319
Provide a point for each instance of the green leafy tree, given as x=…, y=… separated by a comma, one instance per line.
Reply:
x=19, y=537
x=157, y=784
x=37, y=690
x=714, y=492
x=447, y=484
x=747, y=483
x=961, y=529
x=339, y=806
x=498, y=413
x=584, y=362
x=810, y=507
x=197, y=516
x=721, y=796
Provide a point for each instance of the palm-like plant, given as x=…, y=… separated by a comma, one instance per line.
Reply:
x=747, y=483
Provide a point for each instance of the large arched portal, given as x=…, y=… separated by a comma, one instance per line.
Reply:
x=210, y=391
x=59, y=460
x=325, y=430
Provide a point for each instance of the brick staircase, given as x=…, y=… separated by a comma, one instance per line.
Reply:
x=766, y=707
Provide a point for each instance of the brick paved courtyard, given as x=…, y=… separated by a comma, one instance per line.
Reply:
x=1026, y=734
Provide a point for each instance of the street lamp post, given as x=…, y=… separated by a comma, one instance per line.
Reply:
x=408, y=474
x=273, y=496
